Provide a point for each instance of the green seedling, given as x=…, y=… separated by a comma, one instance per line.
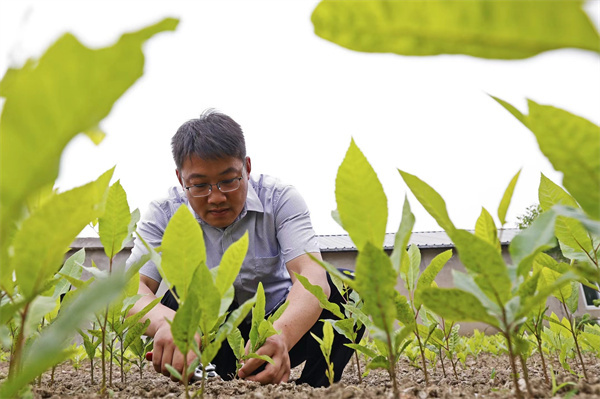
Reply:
x=363, y=214
x=557, y=387
x=325, y=344
x=91, y=343
x=260, y=330
x=202, y=322
x=139, y=348
x=350, y=320
x=534, y=325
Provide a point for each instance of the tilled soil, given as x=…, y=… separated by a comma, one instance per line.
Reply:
x=472, y=381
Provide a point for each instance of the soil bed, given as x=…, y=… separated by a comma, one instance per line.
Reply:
x=474, y=381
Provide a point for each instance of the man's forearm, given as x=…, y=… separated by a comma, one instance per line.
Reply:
x=303, y=310
x=157, y=315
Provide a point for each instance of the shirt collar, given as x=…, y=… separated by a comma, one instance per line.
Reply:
x=252, y=201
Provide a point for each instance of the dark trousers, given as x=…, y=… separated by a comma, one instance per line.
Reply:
x=307, y=349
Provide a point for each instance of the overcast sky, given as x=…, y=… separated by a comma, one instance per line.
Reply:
x=301, y=99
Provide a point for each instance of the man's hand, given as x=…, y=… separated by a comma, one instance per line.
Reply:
x=276, y=348
x=165, y=352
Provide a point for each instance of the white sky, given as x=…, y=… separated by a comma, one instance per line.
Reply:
x=300, y=99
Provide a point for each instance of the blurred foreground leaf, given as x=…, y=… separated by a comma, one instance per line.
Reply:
x=69, y=90
x=488, y=29
x=572, y=144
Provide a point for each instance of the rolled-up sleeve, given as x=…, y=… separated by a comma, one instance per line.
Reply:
x=151, y=228
x=295, y=232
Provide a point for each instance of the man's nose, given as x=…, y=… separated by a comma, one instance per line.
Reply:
x=216, y=196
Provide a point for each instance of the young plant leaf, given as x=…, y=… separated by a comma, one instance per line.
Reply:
x=455, y=304
x=233, y=321
x=185, y=323
x=182, y=250
x=538, y=237
x=375, y=282
x=39, y=246
x=317, y=291
x=505, y=202
x=496, y=29
x=71, y=269
x=433, y=203
x=431, y=271
x=486, y=229
x=113, y=225
x=210, y=301
x=483, y=260
x=569, y=231
x=231, y=263
x=361, y=201
x=402, y=237
x=411, y=272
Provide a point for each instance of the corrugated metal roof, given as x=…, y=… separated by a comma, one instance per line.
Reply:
x=423, y=239
x=342, y=242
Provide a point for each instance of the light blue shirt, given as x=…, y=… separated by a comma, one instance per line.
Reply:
x=279, y=229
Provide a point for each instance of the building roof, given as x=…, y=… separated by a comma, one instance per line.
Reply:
x=423, y=239
x=342, y=242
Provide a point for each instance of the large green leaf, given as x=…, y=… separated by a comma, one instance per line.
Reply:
x=505, y=202
x=561, y=134
x=43, y=239
x=361, y=202
x=69, y=90
x=182, y=249
x=430, y=199
x=375, y=282
x=455, y=304
x=113, y=225
x=487, y=29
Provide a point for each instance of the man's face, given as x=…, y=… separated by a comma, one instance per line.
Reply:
x=217, y=209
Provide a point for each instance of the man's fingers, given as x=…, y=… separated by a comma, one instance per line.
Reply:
x=249, y=367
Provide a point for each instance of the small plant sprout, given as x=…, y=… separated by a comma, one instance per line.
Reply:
x=139, y=348
x=325, y=345
x=260, y=330
x=351, y=320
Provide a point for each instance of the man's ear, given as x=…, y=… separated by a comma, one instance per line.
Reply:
x=179, y=177
x=248, y=166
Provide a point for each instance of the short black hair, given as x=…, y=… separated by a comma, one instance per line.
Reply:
x=213, y=135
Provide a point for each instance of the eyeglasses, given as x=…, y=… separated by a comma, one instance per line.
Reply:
x=224, y=186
